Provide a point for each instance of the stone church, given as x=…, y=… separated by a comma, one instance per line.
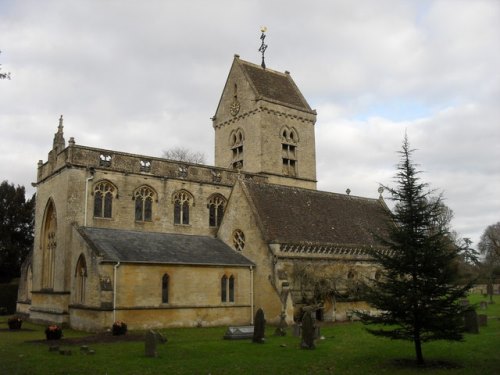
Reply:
x=162, y=243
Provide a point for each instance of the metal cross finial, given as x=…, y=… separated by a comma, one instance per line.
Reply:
x=263, y=46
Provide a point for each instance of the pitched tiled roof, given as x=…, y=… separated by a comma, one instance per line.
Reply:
x=148, y=247
x=303, y=216
x=275, y=86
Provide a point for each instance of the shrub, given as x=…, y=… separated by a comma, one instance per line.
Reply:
x=53, y=332
x=119, y=328
x=15, y=323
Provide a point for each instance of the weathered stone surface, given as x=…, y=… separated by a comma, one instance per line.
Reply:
x=151, y=343
x=471, y=321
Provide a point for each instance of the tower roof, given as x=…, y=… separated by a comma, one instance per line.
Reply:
x=274, y=86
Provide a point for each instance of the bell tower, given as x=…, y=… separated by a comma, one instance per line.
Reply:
x=264, y=125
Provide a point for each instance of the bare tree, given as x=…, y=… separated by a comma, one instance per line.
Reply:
x=4, y=75
x=184, y=154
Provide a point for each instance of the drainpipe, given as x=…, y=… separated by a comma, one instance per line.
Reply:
x=92, y=171
x=115, y=267
x=251, y=295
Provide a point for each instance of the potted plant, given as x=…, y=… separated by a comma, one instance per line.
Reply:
x=119, y=328
x=53, y=332
x=15, y=323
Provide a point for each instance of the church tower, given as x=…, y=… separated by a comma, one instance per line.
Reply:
x=264, y=125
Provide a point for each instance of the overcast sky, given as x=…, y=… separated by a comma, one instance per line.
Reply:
x=145, y=76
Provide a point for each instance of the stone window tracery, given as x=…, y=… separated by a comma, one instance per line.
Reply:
x=182, y=200
x=144, y=203
x=289, y=140
x=236, y=139
x=105, y=160
x=238, y=240
x=49, y=246
x=216, y=205
x=80, y=280
x=104, y=192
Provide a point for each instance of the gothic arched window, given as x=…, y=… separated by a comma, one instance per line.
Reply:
x=80, y=280
x=236, y=139
x=49, y=245
x=144, y=203
x=216, y=205
x=289, y=140
x=104, y=192
x=182, y=200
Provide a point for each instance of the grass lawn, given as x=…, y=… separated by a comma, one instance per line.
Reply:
x=346, y=349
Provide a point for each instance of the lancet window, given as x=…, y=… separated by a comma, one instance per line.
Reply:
x=236, y=139
x=289, y=141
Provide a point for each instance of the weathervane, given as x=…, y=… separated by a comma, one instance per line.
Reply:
x=263, y=46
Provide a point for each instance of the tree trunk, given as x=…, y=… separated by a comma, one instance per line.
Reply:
x=418, y=349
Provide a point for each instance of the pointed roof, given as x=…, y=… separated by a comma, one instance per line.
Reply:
x=116, y=245
x=274, y=86
x=302, y=216
x=270, y=85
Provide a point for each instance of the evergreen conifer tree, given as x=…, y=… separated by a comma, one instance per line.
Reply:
x=418, y=295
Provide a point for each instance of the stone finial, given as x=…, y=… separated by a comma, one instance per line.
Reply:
x=380, y=191
x=348, y=191
x=72, y=141
x=59, y=143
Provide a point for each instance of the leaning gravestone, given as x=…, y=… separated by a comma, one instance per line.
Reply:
x=150, y=344
x=259, y=327
x=471, y=321
x=308, y=332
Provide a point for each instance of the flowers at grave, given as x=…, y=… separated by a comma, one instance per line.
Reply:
x=53, y=332
x=15, y=323
x=119, y=328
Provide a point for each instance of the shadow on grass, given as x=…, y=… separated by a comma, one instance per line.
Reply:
x=434, y=364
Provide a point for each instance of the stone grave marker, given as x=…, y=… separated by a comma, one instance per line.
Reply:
x=471, y=321
x=308, y=332
x=483, y=305
x=237, y=333
x=259, y=327
x=150, y=344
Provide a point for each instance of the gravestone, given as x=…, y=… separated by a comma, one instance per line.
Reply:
x=308, y=332
x=483, y=305
x=471, y=321
x=259, y=327
x=150, y=344
x=296, y=329
x=53, y=348
x=237, y=333
x=482, y=320
x=281, y=329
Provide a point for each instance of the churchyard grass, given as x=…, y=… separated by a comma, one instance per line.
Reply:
x=346, y=349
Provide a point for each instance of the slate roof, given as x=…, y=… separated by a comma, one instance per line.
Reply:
x=275, y=86
x=148, y=247
x=302, y=216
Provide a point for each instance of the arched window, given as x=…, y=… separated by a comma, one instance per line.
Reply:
x=182, y=201
x=216, y=205
x=236, y=139
x=227, y=288
x=80, y=280
x=49, y=245
x=104, y=192
x=164, y=288
x=289, y=140
x=144, y=203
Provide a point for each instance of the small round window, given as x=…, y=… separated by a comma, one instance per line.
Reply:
x=238, y=240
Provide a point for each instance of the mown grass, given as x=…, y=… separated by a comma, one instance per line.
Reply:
x=346, y=349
